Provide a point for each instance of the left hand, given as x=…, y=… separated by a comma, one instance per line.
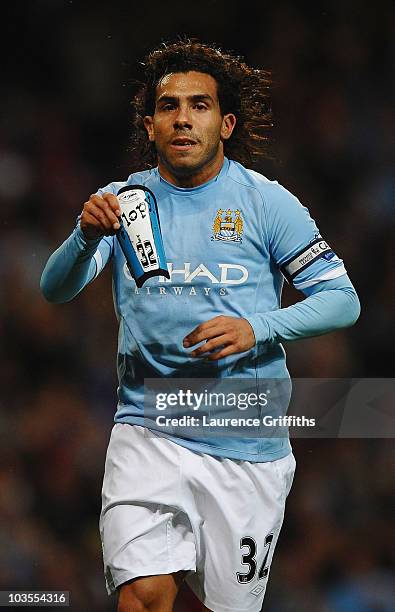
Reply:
x=231, y=334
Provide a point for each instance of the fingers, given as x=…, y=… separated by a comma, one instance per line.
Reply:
x=224, y=352
x=210, y=345
x=206, y=330
x=112, y=201
x=223, y=336
x=105, y=218
x=100, y=215
x=104, y=209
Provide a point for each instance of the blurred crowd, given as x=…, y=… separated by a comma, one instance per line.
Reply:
x=64, y=131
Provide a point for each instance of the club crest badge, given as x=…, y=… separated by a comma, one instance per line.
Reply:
x=228, y=226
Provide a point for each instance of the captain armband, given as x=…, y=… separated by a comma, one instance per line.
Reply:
x=316, y=249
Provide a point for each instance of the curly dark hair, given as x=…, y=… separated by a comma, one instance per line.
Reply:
x=242, y=90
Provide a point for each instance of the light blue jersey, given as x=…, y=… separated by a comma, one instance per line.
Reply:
x=228, y=244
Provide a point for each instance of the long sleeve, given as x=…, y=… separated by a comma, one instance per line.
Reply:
x=329, y=305
x=73, y=265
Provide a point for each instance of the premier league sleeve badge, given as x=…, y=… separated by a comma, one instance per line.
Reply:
x=140, y=235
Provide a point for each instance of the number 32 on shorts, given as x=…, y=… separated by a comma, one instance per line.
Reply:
x=250, y=559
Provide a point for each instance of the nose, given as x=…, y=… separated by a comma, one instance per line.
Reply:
x=183, y=119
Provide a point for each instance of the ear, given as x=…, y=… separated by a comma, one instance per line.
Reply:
x=228, y=124
x=149, y=126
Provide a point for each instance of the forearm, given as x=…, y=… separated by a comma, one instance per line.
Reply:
x=70, y=268
x=332, y=305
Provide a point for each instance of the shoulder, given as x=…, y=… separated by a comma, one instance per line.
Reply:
x=273, y=194
x=145, y=177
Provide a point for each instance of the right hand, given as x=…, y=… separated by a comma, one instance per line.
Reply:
x=100, y=216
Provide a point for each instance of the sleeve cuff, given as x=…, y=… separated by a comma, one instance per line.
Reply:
x=260, y=327
x=83, y=242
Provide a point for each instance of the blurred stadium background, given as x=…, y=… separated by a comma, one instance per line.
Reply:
x=64, y=130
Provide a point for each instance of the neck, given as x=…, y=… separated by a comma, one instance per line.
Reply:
x=194, y=178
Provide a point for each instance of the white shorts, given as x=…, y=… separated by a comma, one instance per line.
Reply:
x=167, y=509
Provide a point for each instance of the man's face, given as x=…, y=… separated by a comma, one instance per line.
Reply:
x=188, y=128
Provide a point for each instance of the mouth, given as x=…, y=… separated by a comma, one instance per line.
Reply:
x=182, y=144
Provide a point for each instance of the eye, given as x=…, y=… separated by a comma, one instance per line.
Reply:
x=168, y=107
x=200, y=106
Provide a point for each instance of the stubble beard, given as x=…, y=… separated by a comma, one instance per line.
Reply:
x=189, y=170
